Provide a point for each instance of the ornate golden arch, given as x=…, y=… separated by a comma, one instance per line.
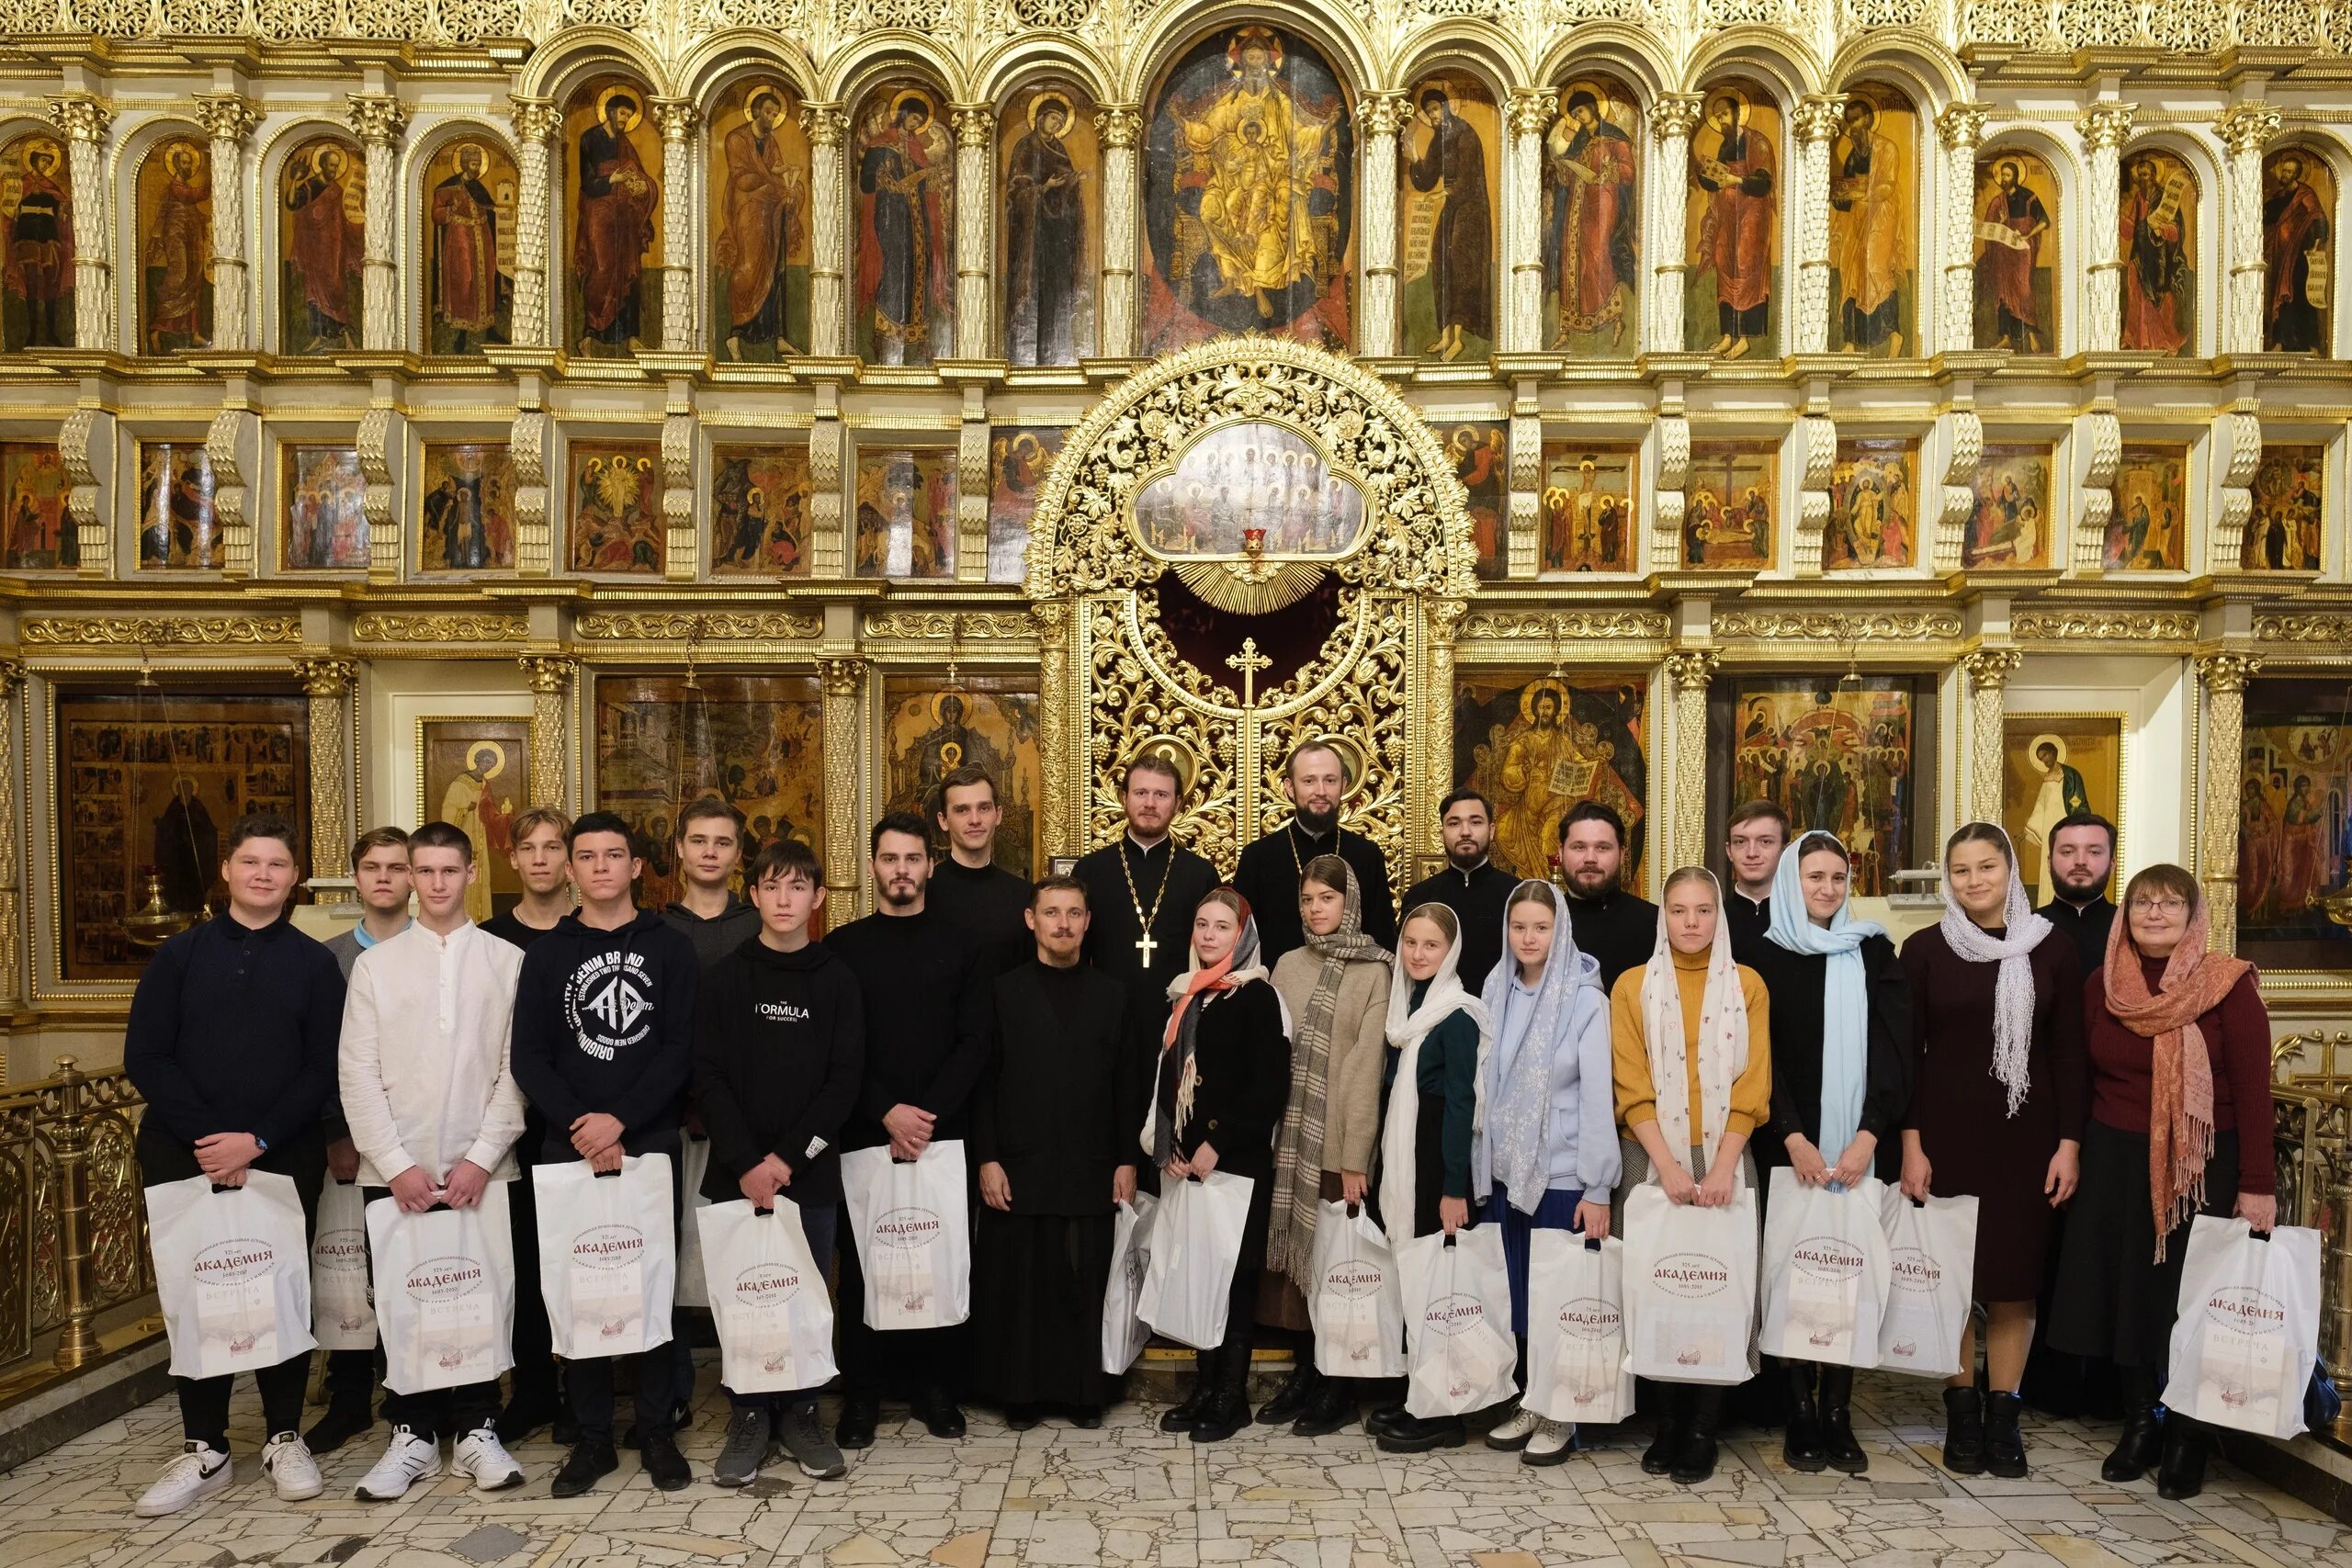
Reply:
x=1381, y=680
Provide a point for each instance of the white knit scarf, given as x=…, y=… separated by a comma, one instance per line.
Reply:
x=1722, y=1038
x=2013, y=991
x=1407, y=1026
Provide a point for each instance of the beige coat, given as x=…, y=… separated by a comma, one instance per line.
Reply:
x=1359, y=1039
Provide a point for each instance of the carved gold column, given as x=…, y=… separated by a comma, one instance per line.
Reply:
x=2103, y=129
x=377, y=119
x=535, y=122
x=1817, y=120
x=827, y=130
x=1989, y=669
x=1689, y=674
x=1962, y=127
x=2246, y=131
x=2224, y=676
x=1672, y=119
x=1443, y=618
x=1381, y=115
x=844, y=680
x=82, y=120
x=676, y=117
x=550, y=677
x=12, y=791
x=1119, y=128
x=229, y=118
x=975, y=254
x=1059, y=813
x=1529, y=114
x=326, y=681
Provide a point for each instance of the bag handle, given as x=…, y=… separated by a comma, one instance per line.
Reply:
x=600, y=1175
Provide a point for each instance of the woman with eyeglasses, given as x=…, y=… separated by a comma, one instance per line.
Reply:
x=2180, y=1066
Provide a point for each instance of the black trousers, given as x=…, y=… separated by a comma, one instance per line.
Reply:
x=534, y=1373
x=589, y=1381
x=875, y=1361
x=204, y=1402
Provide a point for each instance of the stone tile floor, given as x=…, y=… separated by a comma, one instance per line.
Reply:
x=1125, y=1494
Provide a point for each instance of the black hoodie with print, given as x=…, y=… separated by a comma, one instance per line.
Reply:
x=779, y=1058
x=604, y=1021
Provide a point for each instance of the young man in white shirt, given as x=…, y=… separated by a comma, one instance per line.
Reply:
x=435, y=1113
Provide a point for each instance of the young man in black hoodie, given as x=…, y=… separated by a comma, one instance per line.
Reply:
x=779, y=1058
x=603, y=1046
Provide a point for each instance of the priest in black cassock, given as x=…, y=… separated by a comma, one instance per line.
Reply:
x=1054, y=1139
x=1617, y=927
x=1145, y=886
x=1753, y=840
x=2081, y=853
x=969, y=889
x=1472, y=884
x=1317, y=782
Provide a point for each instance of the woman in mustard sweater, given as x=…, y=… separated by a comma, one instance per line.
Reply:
x=1691, y=1046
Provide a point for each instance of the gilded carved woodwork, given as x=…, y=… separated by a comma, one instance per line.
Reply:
x=1844, y=629
x=550, y=681
x=1689, y=674
x=2139, y=627
x=2224, y=676
x=846, y=683
x=433, y=630
x=327, y=681
x=160, y=631
x=1989, y=669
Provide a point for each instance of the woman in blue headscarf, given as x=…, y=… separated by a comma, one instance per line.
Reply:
x=1841, y=1080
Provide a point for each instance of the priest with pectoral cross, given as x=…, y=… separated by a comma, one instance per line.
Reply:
x=1143, y=890
x=1316, y=781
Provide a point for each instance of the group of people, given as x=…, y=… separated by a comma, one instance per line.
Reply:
x=1516, y=1051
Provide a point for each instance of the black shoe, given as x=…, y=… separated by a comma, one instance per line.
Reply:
x=586, y=1464
x=1290, y=1402
x=1964, y=1431
x=1086, y=1417
x=1673, y=1417
x=1332, y=1408
x=2140, y=1446
x=523, y=1415
x=859, y=1414
x=1224, y=1414
x=1694, y=1457
x=1021, y=1417
x=1183, y=1418
x=664, y=1465
x=345, y=1418
x=1413, y=1434
x=936, y=1409
x=1383, y=1418
x=1838, y=1442
x=2181, y=1473
x=2004, y=1442
x=1800, y=1443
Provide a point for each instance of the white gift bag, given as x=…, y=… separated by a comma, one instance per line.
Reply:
x=1931, y=1268
x=232, y=1272
x=768, y=1297
x=1825, y=1272
x=694, y=1164
x=1575, y=1329
x=1196, y=1244
x=1356, y=1300
x=1457, y=1323
x=1690, y=1286
x=607, y=1252
x=343, y=1302
x=2248, y=1329
x=445, y=1289
x=1125, y=1333
x=911, y=1223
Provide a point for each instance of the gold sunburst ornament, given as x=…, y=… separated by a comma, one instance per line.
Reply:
x=1247, y=587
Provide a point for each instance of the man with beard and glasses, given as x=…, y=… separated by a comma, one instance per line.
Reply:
x=2081, y=860
x=1472, y=884
x=1317, y=782
x=1618, y=928
x=930, y=1032
x=1753, y=840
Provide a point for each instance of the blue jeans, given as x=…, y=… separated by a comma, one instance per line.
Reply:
x=1556, y=1211
x=818, y=1223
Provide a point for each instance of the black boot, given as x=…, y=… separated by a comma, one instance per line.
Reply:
x=2142, y=1441
x=1838, y=1422
x=1383, y=1416
x=1800, y=1445
x=1298, y=1391
x=1416, y=1434
x=1185, y=1416
x=1331, y=1410
x=1227, y=1410
x=2004, y=1442
x=1694, y=1458
x=1672, y=1415
x=1964, y=1431
x=2181, y=1473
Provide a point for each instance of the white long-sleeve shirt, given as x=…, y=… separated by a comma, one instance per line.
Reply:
x=427, y=1024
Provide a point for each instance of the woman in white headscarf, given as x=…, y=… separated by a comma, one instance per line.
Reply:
x=2002, y=1090
x=1546, y=1157
x=1692, y=1043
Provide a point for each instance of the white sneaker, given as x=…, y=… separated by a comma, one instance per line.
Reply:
x=197, y=1472
x=288, y=1458
x=1550, y=1443
x=408, y=1459
x=479, y=1454
x=1514, y=1430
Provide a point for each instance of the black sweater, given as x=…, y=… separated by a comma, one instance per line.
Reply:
x=1061, y=1103
x=1268, y=877
x=929, y=1024
x=718, y=935
x=1477, y=898
x=988, y=904
x=1244, y=1062
x=1796, y=981
x=604, y=1021
x=234, y=1030
x=779, y=1057
x=1619, y=929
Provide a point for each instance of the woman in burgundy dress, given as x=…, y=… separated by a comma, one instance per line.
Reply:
x=2180, y=1063
x=2001, y=1094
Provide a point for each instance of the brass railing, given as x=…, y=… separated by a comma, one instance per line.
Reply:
x=72, y=1225
x=2311, y=1105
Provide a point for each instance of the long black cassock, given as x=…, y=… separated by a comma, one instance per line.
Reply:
x=1268, y=877
x=1166, y=882
x=1059, y=1112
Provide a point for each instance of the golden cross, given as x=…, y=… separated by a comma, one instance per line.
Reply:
x=1248, y=662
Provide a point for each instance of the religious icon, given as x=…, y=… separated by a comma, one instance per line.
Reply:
x=1536, y=748
x=2012, y=522
x=2057, y=765
x=1048, y=238
x=1731, y=499
x=152, y=787
x=1018, y=458
x=906, y=513
x=980, y=721
x=616, y=507
x=1453, y=148
x=473, y=215
x=2295, y=831
x=1252, y=487
x=759, y=263
x=467, y=519
x=1873, y=160
x=1482, y=462
x=33, y=487
x=35, y=245
x=1591, y=220
x=1874, y=506
x=321, y=246
x=1587, y=515
x=759, y=511
x=176, y=246
x=2148, y=530
x=2159, y=255
x=2289, y=497
x=1734, y=221
x=475, y=774
x=1250, y=194
x=616, y=221
x=1836, y=755
x=177, y=529
x=320, y=496
x=2016, y=252
x=2298, y=252
x=906, y=228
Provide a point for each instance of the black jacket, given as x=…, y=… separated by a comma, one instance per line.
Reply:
x=1795, y=982
x=1477, y=898
x=1268, y=877
x=779, y=1057
x=604, y=1021
x=1244, y=1061
x=928, y=1020
x=1061, y=1105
